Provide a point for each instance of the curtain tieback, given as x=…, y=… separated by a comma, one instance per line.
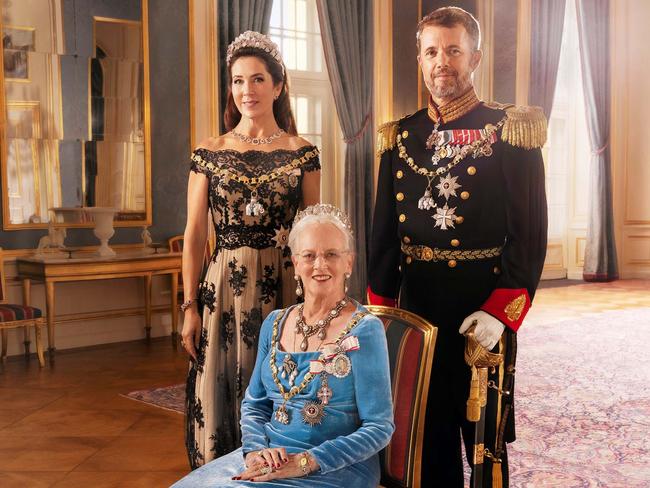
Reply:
x=355, y=137
x=598, y=152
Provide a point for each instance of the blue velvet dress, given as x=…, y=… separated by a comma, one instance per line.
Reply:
x=358, y=420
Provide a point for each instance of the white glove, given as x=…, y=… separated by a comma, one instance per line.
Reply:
x=488, y=329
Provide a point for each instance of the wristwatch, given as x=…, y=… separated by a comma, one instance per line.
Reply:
x=304, y=463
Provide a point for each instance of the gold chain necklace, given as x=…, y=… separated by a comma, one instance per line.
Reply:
x=281, y=414
x=479, y=147
x=253, y=207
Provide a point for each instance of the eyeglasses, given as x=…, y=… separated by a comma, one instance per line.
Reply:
x=331, y=256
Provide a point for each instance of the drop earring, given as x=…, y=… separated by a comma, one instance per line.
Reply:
x=345, y=283
x=298, y=285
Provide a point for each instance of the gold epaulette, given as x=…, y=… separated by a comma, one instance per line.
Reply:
x=524, y=127
x=386, y=136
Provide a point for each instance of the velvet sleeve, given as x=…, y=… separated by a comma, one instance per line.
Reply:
x=372, y=389
x=256, y=407
x=524, y=251
x=383, y=266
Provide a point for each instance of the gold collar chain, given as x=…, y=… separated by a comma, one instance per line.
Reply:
x=254, y=182
x=476, y=148
x=288, y=395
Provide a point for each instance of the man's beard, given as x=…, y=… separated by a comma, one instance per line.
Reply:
x=452, y=88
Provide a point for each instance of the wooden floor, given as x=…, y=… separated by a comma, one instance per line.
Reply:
x=67, y=425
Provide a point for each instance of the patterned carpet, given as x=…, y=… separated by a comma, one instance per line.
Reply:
x=583, y=403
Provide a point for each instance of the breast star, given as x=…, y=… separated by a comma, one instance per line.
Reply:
x=447, y=186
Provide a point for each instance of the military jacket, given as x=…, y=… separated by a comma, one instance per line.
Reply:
x=463, y=217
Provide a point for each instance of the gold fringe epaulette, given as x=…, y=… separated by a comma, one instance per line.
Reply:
x=524, y=127
x=386, y=136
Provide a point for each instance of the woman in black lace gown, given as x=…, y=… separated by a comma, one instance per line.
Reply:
x=252, y=180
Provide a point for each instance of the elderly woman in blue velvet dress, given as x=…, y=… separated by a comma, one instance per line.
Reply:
x=318, y=407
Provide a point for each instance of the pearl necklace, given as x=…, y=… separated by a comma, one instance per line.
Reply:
x=257, y=140
x=319, y=327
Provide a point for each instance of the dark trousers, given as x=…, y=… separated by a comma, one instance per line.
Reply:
x=446, y=425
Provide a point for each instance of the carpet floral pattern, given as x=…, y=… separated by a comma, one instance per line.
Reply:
x=582, y=404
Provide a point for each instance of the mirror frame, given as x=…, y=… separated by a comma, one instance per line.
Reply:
x=6, y=224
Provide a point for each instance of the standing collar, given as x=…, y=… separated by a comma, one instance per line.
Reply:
x=453, y=110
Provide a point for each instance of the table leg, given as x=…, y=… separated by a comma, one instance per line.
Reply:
x=147, y=306
x=27, y=300
x=3, y=354
x=174, y=286
x=50, y=311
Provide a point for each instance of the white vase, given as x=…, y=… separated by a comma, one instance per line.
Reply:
x=103, y=218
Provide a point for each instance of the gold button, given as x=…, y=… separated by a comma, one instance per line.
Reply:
x=402, y=217
x=455, y=242
x=399, y=174
x=460, y=219
x=471, y=171
x=451, y=263
x=409, y=259
x=399, y=196
x=496, y=270
x=405, y=134
x=464, y=195
x=406, y=239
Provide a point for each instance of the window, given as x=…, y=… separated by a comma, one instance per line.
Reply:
x=567, y=152
x=294, y=28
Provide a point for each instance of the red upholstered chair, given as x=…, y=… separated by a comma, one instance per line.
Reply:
x=14, y=316
x=411, y=342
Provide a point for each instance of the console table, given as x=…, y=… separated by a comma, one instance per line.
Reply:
x=127, y=265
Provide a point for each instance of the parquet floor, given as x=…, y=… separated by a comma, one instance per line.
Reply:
x=67, y=425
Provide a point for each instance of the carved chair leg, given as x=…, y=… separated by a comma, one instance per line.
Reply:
x=39, y=345
x=4, y=344
x=27, y=340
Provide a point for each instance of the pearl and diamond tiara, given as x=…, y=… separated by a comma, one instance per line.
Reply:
x=257, y=41
x=324, y=209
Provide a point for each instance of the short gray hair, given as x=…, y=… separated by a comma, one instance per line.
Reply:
x=324, y=218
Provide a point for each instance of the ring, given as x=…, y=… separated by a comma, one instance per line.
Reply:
x=266, y=469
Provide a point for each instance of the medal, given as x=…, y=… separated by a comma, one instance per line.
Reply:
x=253, y=207
x=281, y=415
x=289, y=369
x=426, y=201
x=341, y=365
x=293, y=178
x=313, y=413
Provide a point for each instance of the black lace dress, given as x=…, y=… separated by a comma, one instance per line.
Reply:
x=253, y=198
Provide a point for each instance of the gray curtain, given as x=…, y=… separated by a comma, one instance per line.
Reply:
x=547, y=22
x=593, y=29
x=235, y=17
x=346, y=30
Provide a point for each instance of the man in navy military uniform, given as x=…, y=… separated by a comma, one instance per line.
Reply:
x=459, y=235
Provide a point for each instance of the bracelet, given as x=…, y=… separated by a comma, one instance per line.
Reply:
x=304, y=463
x=187, y=304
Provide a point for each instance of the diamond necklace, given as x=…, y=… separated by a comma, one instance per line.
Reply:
x=319, y=327
x=257, y=140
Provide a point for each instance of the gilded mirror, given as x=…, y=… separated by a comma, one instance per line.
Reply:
x=75, y=110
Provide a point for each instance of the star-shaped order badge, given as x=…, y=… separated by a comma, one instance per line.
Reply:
x=447, y=186
x=281, y=237
x=445, y=217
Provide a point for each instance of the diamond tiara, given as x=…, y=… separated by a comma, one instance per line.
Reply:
x=257, y=41
x=324, y=209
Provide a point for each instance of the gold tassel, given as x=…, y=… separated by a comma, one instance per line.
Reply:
x=474, y=400
x=386, y=137
x=497, y=477
x=525, y=127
